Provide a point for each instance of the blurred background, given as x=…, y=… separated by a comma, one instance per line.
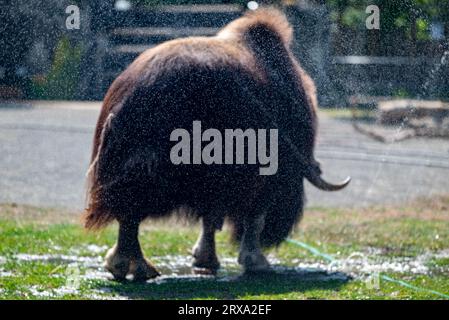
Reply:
x=41, y=59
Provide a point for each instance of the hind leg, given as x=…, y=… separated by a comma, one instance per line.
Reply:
x=203, y=251
x=126, y=257
x=251, y=256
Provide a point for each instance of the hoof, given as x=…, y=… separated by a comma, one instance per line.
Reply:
x=254, y=262
x=205, y=260
x=206, y=267
x=141, y=270
x=204, y=271
x=117, y=264
x=210, y=263
x=121, y=265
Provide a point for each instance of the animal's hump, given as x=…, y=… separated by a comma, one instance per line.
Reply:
x=260, y=27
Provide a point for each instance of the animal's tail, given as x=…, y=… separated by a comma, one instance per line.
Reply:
x=95, y=216
x=260, y=27
x=267, y=33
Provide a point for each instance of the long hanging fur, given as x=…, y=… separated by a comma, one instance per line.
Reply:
x=268, y=35
x=95, y=217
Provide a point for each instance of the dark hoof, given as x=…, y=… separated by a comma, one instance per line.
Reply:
x=254, y=262
x=210, y=263
x=205, y=271
x=142, y=270
x=122, y=265
x=117, y=264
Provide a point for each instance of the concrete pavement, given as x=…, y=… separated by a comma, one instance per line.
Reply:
x=45, y=149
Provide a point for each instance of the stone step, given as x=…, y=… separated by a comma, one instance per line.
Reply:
x=128, y=43
x=147, y=35
x=119, y=57
x=176, y=16
x=133, y=31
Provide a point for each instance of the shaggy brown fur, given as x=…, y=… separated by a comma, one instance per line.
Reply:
x=244, y=77
x=255, y=46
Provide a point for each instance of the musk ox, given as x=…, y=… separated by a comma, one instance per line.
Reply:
x=244, y=77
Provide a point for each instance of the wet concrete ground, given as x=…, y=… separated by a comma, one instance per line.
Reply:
x=45, y=149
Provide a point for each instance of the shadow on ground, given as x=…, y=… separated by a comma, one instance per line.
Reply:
x=279, y=281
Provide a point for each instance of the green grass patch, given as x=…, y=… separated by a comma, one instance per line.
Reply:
x=46, y=254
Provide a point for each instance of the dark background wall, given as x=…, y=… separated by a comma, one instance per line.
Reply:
x=41, y=59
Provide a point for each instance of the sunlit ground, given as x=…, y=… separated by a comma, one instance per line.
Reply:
x=45, y=254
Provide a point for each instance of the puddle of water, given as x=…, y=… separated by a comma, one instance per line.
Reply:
x=88, y=262
x=40, y=292
x=179, y=266
x=6, y=273
x=89, y=248
x=443, y=254
x=96, y=274
x=96, y=249
x=361, y=263
x=175, y=268
x=173, y=265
